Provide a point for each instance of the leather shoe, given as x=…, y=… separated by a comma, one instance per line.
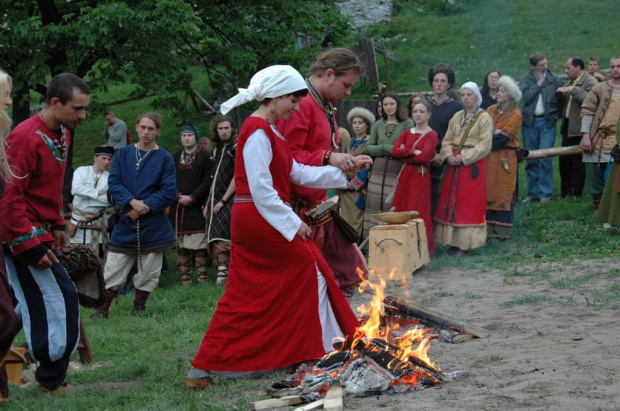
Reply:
x=61, y=389
x=200, y=384
x=529, y=199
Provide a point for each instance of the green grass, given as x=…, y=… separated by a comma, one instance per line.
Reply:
x=527, y=299
x=155, y=351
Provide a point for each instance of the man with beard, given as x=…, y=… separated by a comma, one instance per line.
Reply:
x=219, y=205
x=570, y=98
x=312, y=136
x=34, y=228
x=193, y=182
x=599, y=116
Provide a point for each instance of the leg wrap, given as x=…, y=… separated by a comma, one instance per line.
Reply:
x=202, y=265
x=184, y=264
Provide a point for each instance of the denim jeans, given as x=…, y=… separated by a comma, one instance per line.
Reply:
x=539, y=172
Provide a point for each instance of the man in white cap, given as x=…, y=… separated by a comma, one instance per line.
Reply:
x=90, y=200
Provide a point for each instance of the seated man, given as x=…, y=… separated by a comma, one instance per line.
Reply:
x=90, y=191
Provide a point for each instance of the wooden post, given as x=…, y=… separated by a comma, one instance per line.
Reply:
x=387, y=66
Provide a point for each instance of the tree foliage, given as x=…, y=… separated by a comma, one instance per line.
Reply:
x=151, y=44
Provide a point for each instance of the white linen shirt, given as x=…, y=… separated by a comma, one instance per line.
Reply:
x=257, y=156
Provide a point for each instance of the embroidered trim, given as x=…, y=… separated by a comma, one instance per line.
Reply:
x=36, y=231
x=59, y=150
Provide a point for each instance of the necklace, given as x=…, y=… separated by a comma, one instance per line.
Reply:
x=96, y=177
x=328, y=109
x=273, y=127
x=186, y=159
x=140, y=158
x=468, y=117
x=389, y=130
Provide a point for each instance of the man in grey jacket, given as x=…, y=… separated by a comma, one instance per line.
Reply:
x=540, y=114
x=570, y=97
x=115, y=130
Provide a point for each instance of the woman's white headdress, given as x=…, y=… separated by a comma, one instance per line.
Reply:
x=473, y=87
x=273, y=81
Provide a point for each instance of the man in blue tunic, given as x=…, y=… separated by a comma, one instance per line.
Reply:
x=142, y=183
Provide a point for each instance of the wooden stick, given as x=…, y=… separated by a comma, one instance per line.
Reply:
x=333, y=398
x=364, y=242
x=86, y=354
x=430, y=317
x=209, y=106
x=276, y=402
x=311, y=406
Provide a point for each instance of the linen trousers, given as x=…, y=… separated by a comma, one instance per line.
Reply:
x=47, y=304
x=118, y=266
x=539, y=172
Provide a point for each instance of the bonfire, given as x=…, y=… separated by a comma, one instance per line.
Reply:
x=387, y=354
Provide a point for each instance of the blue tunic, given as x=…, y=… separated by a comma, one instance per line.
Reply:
x=155, y=184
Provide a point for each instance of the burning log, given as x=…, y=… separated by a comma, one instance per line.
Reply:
x=381, y=351
x=427, y=367
x=430, y=318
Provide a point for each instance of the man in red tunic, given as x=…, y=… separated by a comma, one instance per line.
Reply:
x=33, y=228
x=312, y=136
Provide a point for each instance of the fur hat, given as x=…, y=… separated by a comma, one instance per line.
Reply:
x=363, y=113
x=511, y=87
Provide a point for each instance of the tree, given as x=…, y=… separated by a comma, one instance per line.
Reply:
x=152, y=43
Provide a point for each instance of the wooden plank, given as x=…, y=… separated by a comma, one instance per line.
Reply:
x=333, y=398
x=312, y=406
x=276, y=402
x=434, y=318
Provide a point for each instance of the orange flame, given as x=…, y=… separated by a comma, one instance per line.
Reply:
x=413, y=343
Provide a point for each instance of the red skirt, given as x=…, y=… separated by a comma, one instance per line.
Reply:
x=268, y=317
x=413, y=193
x=463, y=200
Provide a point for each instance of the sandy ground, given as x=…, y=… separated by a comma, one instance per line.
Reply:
x=556, y=354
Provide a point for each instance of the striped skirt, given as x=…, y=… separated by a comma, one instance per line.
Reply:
x=380, y=185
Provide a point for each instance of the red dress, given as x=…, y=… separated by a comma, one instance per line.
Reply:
x=413, y=192
x=309, y=135
x=268, y=317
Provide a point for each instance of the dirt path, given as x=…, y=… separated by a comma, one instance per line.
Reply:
x=550, y=347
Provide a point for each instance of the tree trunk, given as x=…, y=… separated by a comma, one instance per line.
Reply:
x=21, y=106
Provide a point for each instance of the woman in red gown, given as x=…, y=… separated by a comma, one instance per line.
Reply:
x=282, y=304
x=416, y=148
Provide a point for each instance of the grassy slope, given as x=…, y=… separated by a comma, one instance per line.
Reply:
x=156, y=350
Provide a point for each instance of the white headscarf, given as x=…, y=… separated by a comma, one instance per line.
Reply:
x=270, y=82
x=473, y=87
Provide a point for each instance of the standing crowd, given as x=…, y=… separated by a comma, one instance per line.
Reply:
x=249, y=201
x=454, y=158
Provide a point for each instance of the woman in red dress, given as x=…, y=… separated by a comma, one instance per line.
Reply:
x=282, y=304
x=416, y=148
